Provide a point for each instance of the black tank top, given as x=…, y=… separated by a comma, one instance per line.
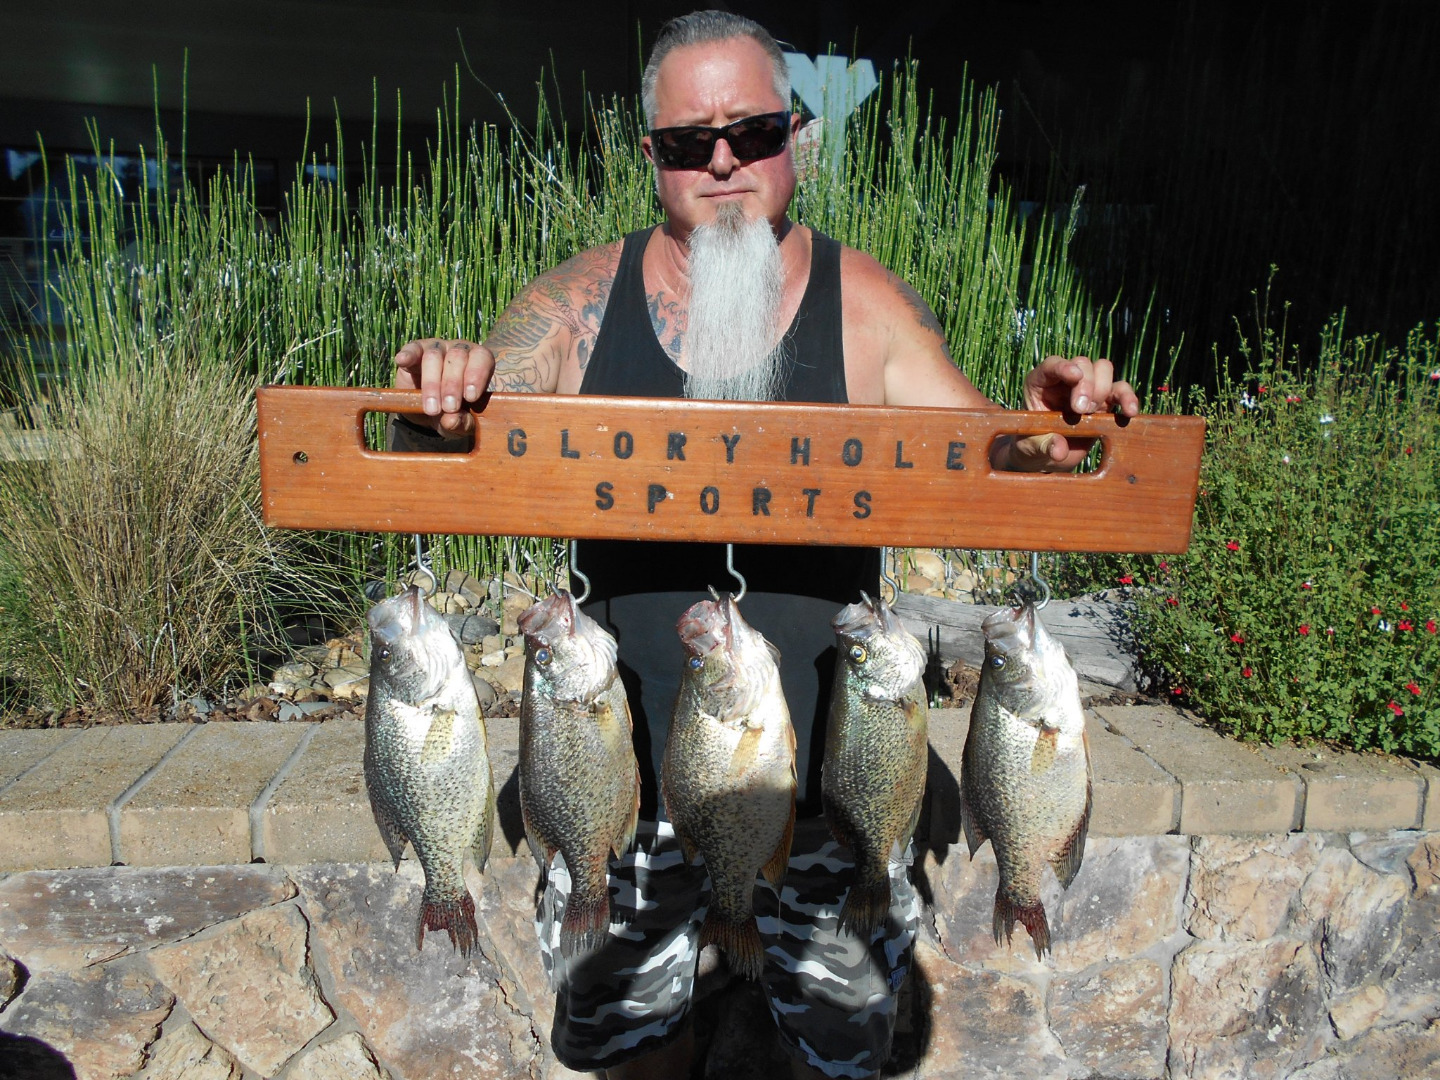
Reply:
x=639, y=589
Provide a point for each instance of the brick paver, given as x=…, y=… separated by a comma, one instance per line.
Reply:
x=55, y=816
x=1225, y=787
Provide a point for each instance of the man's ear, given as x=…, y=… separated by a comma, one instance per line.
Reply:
x=645, y=149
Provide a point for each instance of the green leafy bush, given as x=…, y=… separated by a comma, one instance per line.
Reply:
x=1307, y=604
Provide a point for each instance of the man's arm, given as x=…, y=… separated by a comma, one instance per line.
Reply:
x=901, y=358
x=540, y=343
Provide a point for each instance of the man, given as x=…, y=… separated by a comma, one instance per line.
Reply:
x=729, y=299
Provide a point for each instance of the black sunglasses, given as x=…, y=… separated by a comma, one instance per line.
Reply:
x=750, y=139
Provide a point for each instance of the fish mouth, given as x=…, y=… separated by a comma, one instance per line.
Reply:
x=1010, y=630
x=707, y=626
x=404, y=613
x=552, y=618
x=860, y=621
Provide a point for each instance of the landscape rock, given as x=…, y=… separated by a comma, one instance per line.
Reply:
x=1409, y=1051
x=1245, y=1009
x=509, y=675
x=425, y=1013
x=184, y=1053
x=344, y=1058
x=102, y=1019
x=485, y=693
x=249, y=986
x=985, y=1024
x=337, y=677
x=1124, y=900
x=1412, y=976
x=471, y=628
x=12, y=978
x=1112, y=1022
x=1243, y=888
x=62, y=920
x=1353, y=914
x=1357, y=1013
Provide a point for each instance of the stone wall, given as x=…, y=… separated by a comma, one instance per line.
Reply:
x=1305, y=955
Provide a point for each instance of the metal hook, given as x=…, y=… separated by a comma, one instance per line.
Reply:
x=1040, y=582
x=575, y=573
x=730, y=565
x=894, y=585
x=421, y=568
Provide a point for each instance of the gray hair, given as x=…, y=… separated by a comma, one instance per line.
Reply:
x=699, y=28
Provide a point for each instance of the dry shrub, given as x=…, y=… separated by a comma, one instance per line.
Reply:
x=136, y=565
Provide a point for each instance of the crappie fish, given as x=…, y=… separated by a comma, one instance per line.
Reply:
x=873, y=779
x=427, y=767
x=728, y=776
x=579, y=782
x=1025, y=772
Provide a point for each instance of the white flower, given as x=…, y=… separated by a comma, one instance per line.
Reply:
x=1247, y=400
x=1384, y=626
x=1327, y=419
x=1286, y=459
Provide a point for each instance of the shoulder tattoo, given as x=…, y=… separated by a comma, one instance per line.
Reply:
x=557, y=314
x=923, y=315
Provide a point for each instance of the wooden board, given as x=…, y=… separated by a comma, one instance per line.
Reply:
x=662, y=469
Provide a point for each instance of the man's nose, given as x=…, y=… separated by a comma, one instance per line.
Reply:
x=722, y=160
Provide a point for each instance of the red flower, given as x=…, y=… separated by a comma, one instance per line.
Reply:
x=1126, y=579
x=1330, y=631
x=1404, y=606
x=1172, y=601
x=1246, y=672
x=1304, y=629
x=1292, y=398
x=1430, y=625
x=1409, y=449
x=1413, y=688
x=1261, y=388
x=1237, y=639
x=1164, y=565
x=1405, y=624
x=1232, y=545
x=1395, y=709
x=1177, y=690
x=1164, y=388
x=1374, y=611
x=1306, y=585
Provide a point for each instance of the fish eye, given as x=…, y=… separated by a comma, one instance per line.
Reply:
x=997, y=662
x=385, y=653
x=542, y=656
x=696, y=663
x=858, y=653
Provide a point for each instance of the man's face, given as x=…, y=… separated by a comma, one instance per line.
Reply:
x=715, y=84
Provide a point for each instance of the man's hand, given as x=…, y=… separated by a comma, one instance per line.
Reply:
x=447, y=374
x=1074, y=386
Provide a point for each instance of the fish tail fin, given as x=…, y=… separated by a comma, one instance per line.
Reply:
x=454, y=915
x=866, y=905
x=1031, y=916
x=740, y=941
x=586, y=922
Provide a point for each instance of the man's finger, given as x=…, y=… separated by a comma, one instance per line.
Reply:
x=432, y=365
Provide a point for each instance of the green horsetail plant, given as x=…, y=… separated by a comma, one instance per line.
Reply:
x=175, y=286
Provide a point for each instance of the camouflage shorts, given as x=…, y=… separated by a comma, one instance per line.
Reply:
x=832, y=995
